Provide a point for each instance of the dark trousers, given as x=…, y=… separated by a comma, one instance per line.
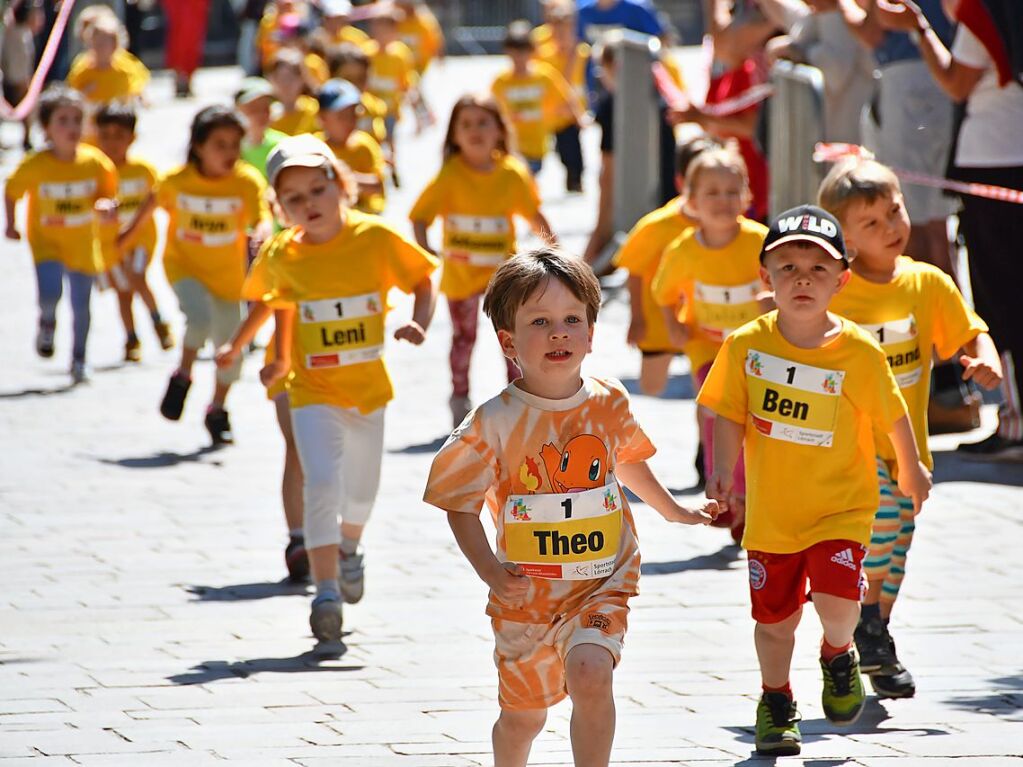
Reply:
x=566, y=142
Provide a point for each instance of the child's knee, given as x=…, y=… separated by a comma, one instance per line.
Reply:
x=522, y=725
x=588, y=672
x=782, y=630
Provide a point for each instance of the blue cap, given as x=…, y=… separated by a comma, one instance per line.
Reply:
x=335, y=95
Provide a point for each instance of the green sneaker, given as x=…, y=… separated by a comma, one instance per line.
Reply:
x=777, y=728
x=842, y=697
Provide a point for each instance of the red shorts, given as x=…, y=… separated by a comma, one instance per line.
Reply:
x=777, y=582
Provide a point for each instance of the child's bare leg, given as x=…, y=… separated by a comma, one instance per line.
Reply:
x=140, y=286
x=351, y=532
x=588, y=670
x=124, y=300
x=291, y=483
x=187, y=360
x=653, y=373
x=220, y=393
x=775, y=642
x=838, y=617
x=513, y=735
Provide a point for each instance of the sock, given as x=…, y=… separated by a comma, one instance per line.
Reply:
x=349, y=546
x=869, y=612
x=785, y=689
x=155, y=316
x=132, y=338
x=296, y=532
x=829, y=653
x=327, y=589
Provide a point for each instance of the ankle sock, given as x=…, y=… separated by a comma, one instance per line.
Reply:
x=155, y=316
x=327, y=590
x=868, y=612
x=829, y=653
x=296, y=532
x=785, y=689
x=349, y=546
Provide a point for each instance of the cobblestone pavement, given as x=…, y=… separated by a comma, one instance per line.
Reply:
x=143, y=620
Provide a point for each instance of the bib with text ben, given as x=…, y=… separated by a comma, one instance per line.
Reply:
x=334, y=332
x=791, y=401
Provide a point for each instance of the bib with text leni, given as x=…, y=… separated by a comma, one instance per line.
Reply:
x=720, y=309
x=334, y=332
x=565, y=536
x=899, y=340
x=791, y=401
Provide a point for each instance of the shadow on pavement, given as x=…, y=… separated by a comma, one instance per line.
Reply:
x=164, y=459
x=1005, y=699
x=246, y=592
x=719, y=560
x=679, y=387
x=35, y=392
x=311, y=661
x=950, y=466
x=427, y=447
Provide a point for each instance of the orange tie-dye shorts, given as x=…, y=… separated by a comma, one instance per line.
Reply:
x=530, y=657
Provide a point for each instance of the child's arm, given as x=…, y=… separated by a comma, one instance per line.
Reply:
x=542, y=228
x=278, y=367
x=982, y=363
x=12, y=232
x=227, y=354
x=639, y=478
x=678, y=333
x=914, y=478
x=637, y=324
x=503, y=579
x=422, y=312
x=419, y=230
x=728, y=436
x=142, y=215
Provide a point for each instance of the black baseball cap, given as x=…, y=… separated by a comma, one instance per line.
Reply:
x=806, y=223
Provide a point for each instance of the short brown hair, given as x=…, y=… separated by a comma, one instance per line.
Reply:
x=724, y=158
x=521, y=275
x=519, y=36
x=855, y=180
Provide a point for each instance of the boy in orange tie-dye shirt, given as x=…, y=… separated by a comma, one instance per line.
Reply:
x=546, y=456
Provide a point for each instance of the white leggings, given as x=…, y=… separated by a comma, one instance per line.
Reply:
x=340, y=450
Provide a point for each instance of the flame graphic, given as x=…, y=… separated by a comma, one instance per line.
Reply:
x=529, y=474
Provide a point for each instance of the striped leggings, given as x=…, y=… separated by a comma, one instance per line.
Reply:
x=890, y=538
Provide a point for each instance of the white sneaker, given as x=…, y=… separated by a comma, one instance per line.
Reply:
x=460, y=407
x=79, y=372
x=351, y=577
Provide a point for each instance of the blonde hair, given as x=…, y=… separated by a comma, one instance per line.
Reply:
x=108, y=24
x=89, y=16
x=725, y=159
x=855, y=180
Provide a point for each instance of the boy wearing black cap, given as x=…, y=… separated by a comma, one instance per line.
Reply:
x=803, y=390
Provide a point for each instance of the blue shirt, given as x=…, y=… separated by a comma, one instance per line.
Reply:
x=896, y=46
x=636, y=15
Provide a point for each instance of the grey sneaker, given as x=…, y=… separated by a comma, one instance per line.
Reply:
x=325, y=619
x=79, y=372
x=351, y=577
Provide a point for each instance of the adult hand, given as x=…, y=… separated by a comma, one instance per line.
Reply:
x=900, y=15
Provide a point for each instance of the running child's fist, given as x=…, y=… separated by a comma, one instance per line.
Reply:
x=915, y=484
x=412, y=332
x=225, y=356
x=982, y=372
x=508, y=583
x=12, y=232
x=273, y=372
x=719, y=488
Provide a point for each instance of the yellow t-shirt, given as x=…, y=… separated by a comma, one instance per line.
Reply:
x=350, y=34
x=126, y=77
x=362, y=154
x=317, y=68
x=641, y=253
x=339, y=289
x=573, y=71
x=535, y=102
x=392, y=72
x=719, y=286
x=136, y=180
x=61, y=198
x=478, y=210
x=209, y=218
x=371, y=120
x=304, y=118
x=919, y=310
x=810, y=418
x=516, y=451
x=420, y=31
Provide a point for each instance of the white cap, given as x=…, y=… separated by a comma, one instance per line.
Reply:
x=335, y=7
x=301, y=151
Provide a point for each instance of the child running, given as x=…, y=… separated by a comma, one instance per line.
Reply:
x=339, y=102
x=534, y=95
x=392, y=75
x=806, y=391
x=915, y=311
x=212, y=203
x=350, y=62
x=70, y=189
x=712, y=274
x=295, y=111
x=254, y=99
x=331, y=273
x=546, y=457
x=136, y=178
x=478, y=192
x=640, y=255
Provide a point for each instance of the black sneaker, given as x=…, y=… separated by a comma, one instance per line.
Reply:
x=896, y=682
x=44, y=339
x=296, y=559
x=219, y=426
x=174, y=400
x=994, y=448
x=874, y=647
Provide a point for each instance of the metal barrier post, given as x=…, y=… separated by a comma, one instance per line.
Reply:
x=796, y=124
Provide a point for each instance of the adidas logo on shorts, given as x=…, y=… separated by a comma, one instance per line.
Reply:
x=845, y=558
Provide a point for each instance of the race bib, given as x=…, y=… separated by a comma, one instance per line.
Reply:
x=209, y=221
x=66, y=204
x=335, y=332
x=525, y=102
x=130, y=194
x=720, y=309
x=564, y=536
x=899, y=340
x=477, y=240
x=791, y=401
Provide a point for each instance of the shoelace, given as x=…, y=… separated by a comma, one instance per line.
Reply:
x=841, y=678
x=783, y=711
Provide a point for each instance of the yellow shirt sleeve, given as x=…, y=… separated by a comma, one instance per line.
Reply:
x=955, y=323
x=407, y=263
x=669, y=284
x=636, y=253
x=19, y=182
x=427, y=205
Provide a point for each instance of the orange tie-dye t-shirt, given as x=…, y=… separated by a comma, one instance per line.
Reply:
x=517, y=444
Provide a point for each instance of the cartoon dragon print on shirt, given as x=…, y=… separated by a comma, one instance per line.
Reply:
x=582, y=465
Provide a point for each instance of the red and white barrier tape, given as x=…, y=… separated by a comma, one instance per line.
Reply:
x=676, y=98
x=835, y=152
